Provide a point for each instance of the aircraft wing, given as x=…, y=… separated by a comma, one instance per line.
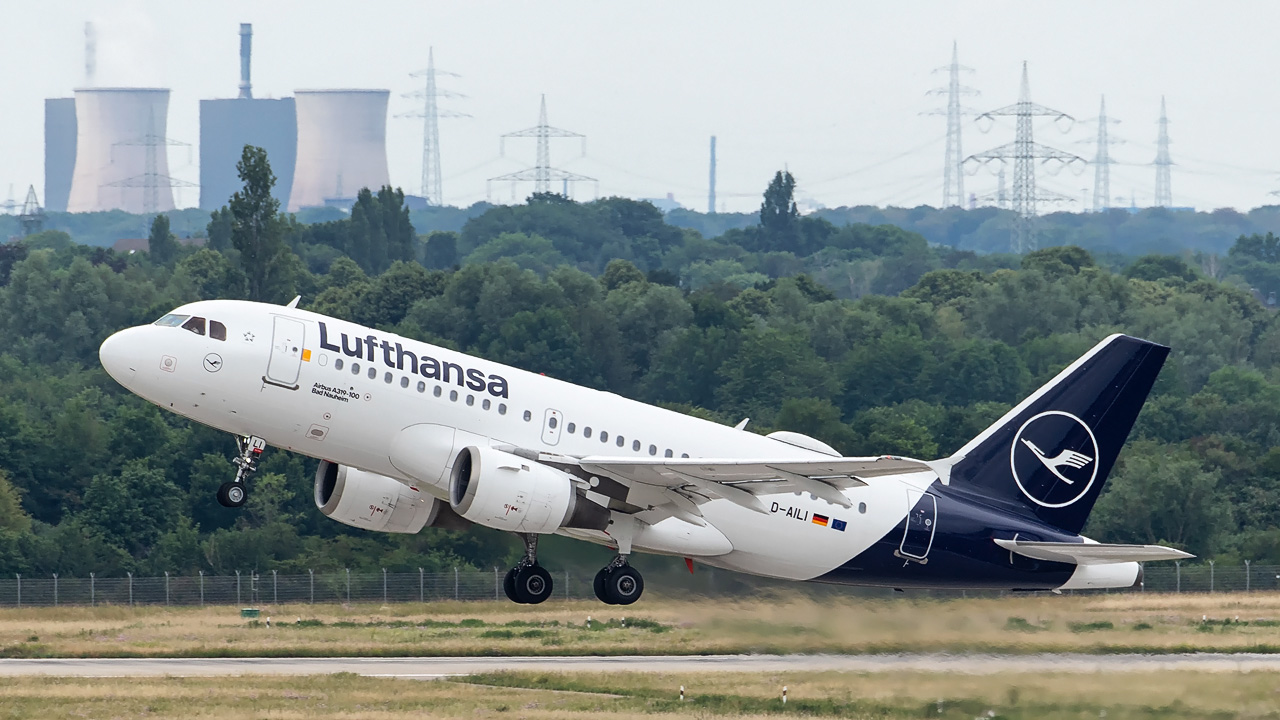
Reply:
x=731, y=478
x=1091, y=553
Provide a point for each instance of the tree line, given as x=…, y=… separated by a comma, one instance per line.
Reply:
x=920, y=353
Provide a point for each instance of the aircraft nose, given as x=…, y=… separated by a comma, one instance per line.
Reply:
x=118, y=355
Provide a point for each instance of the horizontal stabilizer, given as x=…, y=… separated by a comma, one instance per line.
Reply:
x=1091, y=553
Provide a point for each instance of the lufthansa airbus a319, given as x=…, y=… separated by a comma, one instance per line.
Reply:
x=411, y=436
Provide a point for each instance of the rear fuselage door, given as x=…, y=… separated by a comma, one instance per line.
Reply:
x=919, y=527
x=286, y=352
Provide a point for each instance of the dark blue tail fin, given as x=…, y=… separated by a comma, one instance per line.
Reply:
x=1050, y=455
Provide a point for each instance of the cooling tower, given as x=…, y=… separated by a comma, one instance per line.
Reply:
x=226, y=126
x=59, y=151
x=121, y=156
x=342, y=145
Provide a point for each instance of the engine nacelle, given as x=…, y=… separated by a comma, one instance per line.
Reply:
x=507, y=492
x=376, y=502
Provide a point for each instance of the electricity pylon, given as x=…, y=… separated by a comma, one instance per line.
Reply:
x=1164, y=191
x=541, y=174
x=953, y=162
x=1025, y=151
x=432, y=181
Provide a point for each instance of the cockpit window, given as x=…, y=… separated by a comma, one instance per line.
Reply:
x=217, y=330
x=195, y=325
x=171, y=320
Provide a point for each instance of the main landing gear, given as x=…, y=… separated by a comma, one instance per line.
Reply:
x=618, y=583
x=234, y=494
x=528, y=582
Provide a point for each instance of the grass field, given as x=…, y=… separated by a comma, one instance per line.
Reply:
x=784, y=624
x=587, y=695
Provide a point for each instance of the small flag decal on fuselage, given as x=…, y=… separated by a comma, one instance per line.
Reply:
x=837, y=525
x=819, y=519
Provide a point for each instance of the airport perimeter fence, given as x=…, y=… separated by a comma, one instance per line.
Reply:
x=470, y=585
x=273, y=588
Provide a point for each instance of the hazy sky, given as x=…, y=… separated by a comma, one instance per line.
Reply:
x=834, y=91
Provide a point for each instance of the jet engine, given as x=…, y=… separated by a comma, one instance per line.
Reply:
x=376, y=502
x=505, y=491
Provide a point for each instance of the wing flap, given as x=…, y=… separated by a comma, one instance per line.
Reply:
x=1091, y=553
x=668, y=472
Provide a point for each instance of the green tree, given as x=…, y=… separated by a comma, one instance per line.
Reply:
x=12, y=516
x=440, y=250
x=779, y=217
x=131, y=509
x=819, y=419
x=162, y=245
x=778, y=212
x=218, y=231
x=257, y=229
x=620, y=272
x=1161, y=494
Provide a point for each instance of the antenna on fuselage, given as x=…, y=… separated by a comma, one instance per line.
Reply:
x=294, y=302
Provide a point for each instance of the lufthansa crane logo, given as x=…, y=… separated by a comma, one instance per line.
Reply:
x=1054, y=459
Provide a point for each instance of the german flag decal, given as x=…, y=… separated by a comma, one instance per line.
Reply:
x=819, y=519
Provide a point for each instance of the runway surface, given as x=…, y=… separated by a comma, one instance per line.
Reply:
x=454, y=666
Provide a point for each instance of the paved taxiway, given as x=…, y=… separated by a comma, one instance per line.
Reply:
x=452, y=666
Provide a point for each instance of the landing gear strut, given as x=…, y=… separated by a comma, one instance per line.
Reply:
x=234, y=494
x=618, y=583
x=528, y=582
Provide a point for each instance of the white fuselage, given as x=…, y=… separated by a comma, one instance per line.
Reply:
x=273, y=378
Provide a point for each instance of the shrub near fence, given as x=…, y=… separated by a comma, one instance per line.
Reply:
x=388, y=587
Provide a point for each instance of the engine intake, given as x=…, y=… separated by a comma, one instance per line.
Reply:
x=376, y=502
x=504, y=491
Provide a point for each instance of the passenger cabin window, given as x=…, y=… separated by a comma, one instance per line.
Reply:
x=217, y=330
x=171, y=320
x=195, y=325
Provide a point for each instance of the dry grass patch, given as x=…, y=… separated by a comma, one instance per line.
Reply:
x=1121, y=696
x=789, y=623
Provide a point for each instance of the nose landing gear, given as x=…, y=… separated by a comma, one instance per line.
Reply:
x=234, y=494
x=528, y=582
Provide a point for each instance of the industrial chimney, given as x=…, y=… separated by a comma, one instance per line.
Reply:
x=342, y=145
x=121, y=154
x=246, y=47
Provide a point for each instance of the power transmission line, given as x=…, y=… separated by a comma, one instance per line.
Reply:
x=1025, y=151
